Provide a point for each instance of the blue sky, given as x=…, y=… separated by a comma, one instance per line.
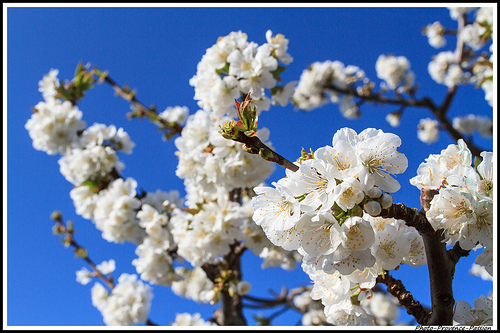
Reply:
x=156, y=51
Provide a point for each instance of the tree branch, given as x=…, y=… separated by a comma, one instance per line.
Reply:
x=440, y=263
x=454, y=255
x=231, y=311
x=255, y=146
x=397, y=289
x=412, y=217
x=171, y=128
x=60, y=228
x=440, y=270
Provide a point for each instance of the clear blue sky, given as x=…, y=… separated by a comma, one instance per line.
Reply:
x=156, y=51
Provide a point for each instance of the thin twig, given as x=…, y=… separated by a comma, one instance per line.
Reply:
x=141, y=110
x=82, y=253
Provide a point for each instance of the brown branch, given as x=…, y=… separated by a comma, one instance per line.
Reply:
x=412, y=217
x=425, y=102
x=80, y=251
x=454, y=255
x=231, y=311
x=141, y=110
x=255, y=146
x=438, y=111
x=440, y=270
x=397, y=289
x=440, y=263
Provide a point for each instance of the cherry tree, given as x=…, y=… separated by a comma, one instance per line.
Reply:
x=332, y=213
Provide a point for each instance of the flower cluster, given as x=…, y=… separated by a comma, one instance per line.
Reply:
x=87, y=154
x=194, y=284
x=435, y=34
x=395, y=71
x=325, y=215
x=90, y=162
x=471, y=123
x=444, y=69
x=326, y=210
x=473, y=66
x=207, y=161
x=314, y=88
x=463, y=208
x=127, y=304
x=428, y=130
x=155, y=262
x=54, y=126
x=84, y=276
x=234, y=67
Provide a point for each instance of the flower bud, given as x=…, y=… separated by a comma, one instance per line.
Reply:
x=385, y=200
x=375, y=192
x=373, y=208
x=56, y=216
x=243, y=288
x=248, y=117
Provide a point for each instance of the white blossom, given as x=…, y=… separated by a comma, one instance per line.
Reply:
x=471, y=123
x=193, y=284
x=279, y=46
x=243, y=287
x=153, y=262
x=54, y=125
x=187, y=319
x=485, y=259
x=93, y=163
x=313, y=317
x=102, y=135
x=276, y=208
x=83, y=276
x=284, y=93
x=377, y=152
x=383, y=307
x=471, y=35
x=480, y=271
x=484, y=15
x=48, y=85
x=345, y=313
x=234, y=66
x=456, y=12
x=428, y=130
x=429, y=174
x=115, y=212
x=84, y=200
x=128, y=303
x=393, y=118
x=106, y=267
x=481, y=314
x=395, y=71
x=444, y=69
x=390, y=246
x=434, y=33
x=175, y=114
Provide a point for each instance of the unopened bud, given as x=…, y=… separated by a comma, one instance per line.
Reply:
x=243, y=288
x=373, y=208
x=81, y=252
x=375, y=192
x=56, y=216
x=385, y=200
